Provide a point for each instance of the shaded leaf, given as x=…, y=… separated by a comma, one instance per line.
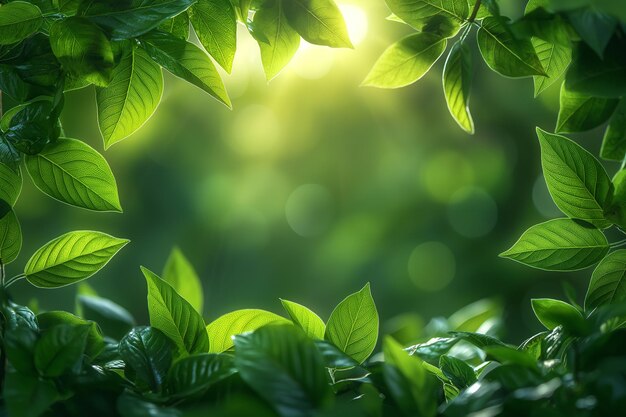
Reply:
x=579, y=112
x=608, y=281
x=18, y=20
x=60, y=348
x=196, y=373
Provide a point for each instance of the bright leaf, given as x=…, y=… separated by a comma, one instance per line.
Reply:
x=215, y=24
x=181, y=275
x=10, y=237
x=554, y=59
x=552, y=313
x=559, y=245
x=318, y=21
x=608, y=281
x=353, y=325
x=71, y=257
x=457, y=80
x=306, y=319
x=434, y=16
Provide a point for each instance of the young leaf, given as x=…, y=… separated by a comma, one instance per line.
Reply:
x=577, y=182
x=71, y=171
x=60, y=348
x=174, y=316
x=131, y=97
x=10, y=184
x=131, y=18
x=195, y=373
x=215, y=24
x=457, y=80
x=82, y=49
x=70, y=258
x=285, y=368
x=579, y=112
x=148, y=352
x=457, y=371
x=18, y=20
x=10, y=237
x=434, y=16
x=179, y=273
x=222, y=330
x=353, y=325
x=187, y=61
x=282, y=40
x=554, y=59
x=406, y=61
x=559, y=245
x=318, y=21
x=306, y=319
x=553, y=313
x=614, y=142
x=608, y=281
x=506, y=54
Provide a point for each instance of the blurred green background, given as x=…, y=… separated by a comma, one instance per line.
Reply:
x=313, y=186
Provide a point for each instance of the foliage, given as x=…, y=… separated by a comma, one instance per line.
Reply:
x=255, y=362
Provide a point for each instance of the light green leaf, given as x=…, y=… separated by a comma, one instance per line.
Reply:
x=579, y=185
x=457, y=80
x=71, y=171
x=353, y=325
x=187, y=61
x=177, y=26
x=614, y=142
x=82, y=49
x=10, y=184
x=559, y=245
x=18, y=20
x=505, y=54
x=552, y=313
x=443, y=17
x=608, y=281
x=554, y=59
x=215, y=23
x=282, y=40
x=10, y=237
x=306, y=319
x=60, y=348
x=71, y=257
x=181, y=275
x=406, y=61
x=196, y=373
x=148, y=352
x=318, y=21
x=222, y=330
x=174, y=316
x=579, y=112
x=131, y=97
x=285, y=368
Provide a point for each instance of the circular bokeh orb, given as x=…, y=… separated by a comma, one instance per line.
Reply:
x=432, y=266
x=472, y=212
x=309, y=210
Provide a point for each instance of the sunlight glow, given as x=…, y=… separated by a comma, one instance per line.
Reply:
x=356, y=20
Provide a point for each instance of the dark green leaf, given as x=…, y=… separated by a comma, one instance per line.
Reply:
x=114, y=320
x=18, y=20
x=318, y=21
x=60, y=348
x=614, y=142
x=95, y=342
x=215, y=23
x=608, y=281
x=594, y=27
x=33, y=127
x=10, y=236
x=27, y=395
x=196, y=373
x=458, y=372
x=457, y=80
x=553, y=313
x=579, y=112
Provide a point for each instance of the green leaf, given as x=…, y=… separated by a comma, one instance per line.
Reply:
x=508, y=354
x=33, y=126
x=196, y=373
x=187, y=61
x=457, y=371
x=553, y=313
x=177, y=26
x=10, y=184
x=71, y=257
x=554, y=59
x=579, y=112
x=443, y=17
x=479, y=340
x=94, y=343
x=27, y=395
x=593, y=76
x=82, y=49
x=10, y=237
x=60, y=348
x=282, y=40
x=306, y=319
x=71, y=171
x=179, y=273
x=318, y=21
x=114, y=320
x=353, y=325
x=614, y=142
x=174, y=316
x=215, y=24
x=222, y=330
x=559, y=245
x=131, y=97
x=577, y=182
x=131, y=18
x=18, y=20
x=285, y=368
x=594, y=27
x=608, y=281
x=148, y=352
x=457, y=80
x=505, y=54
x=411, y=385
x=406, y=61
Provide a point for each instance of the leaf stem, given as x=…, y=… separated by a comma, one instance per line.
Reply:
x=13, y=280
x=474, y=11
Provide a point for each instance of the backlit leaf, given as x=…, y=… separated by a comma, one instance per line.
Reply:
x=579, y=112
x=608, y=281
x=443, y=17
x=318, y=21
x=181, y=275
x=215, y=24
x=306, y=319
x=457, y=80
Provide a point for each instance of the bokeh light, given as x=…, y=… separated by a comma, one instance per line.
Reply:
x=309, y=210
x=472, y=212
x=432, y=266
